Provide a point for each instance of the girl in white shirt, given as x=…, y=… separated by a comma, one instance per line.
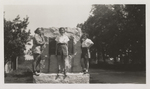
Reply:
x=85, y=46
x=62, y=50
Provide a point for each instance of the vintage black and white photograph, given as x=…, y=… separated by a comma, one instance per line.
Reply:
x=75, y=44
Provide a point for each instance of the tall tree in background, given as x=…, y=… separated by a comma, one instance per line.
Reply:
x=117, y=30
x=135, y=31
x=15, y=38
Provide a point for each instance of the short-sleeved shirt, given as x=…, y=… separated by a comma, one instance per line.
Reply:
x=62, y=39
x=87, y=43
x=62, y=49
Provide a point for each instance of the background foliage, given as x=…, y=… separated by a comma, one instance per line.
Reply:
x=15, y=38
x=117, y=31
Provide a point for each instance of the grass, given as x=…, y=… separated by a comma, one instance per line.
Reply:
x=102, y=73
x=119, y=67
x=22, y=75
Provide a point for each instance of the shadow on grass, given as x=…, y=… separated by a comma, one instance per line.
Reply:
x=119, y=67
x=19, y=78
x=22, y=75
x=118, y=73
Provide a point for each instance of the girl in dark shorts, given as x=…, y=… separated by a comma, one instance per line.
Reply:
x=62, y=50
x=85, y=46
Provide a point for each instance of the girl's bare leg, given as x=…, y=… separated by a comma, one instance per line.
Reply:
x=38, y=61
x=87, y=64
x=35, y=62
x=83, y=64
x=59, y=63
x=65, y=64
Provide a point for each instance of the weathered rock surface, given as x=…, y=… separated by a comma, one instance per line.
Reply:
x=49, y=60
x=72, y=78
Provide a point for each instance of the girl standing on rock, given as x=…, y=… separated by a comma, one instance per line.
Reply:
x=62, y=50
x=85, y=46
x=38, y=44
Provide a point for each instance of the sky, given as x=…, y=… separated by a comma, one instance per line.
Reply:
x=49, y=15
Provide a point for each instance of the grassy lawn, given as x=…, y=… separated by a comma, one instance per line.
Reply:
x=98, y=74
x=116, y=77
x=22, y=75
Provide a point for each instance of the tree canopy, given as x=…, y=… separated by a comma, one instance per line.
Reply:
x=117, y=29
x=15, y=37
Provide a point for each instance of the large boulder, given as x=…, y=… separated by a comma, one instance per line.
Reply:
x=49, y=60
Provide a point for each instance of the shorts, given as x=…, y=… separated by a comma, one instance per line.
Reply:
x=36, y=49
x=62, y=49
x=85, y=53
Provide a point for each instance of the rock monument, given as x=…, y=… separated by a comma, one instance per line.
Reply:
x=48, y=64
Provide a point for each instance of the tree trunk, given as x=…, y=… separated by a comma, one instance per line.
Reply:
x=14, y=67
x=115, y=59
x=98, y=57
x=17, y=62
x=103, y=55
x=126, y=59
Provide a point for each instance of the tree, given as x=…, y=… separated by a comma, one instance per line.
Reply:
x=102, y=26
x=135, y=27
x=117, y=30
x=15, y=38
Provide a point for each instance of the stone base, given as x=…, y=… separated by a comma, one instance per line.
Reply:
x=60, y=79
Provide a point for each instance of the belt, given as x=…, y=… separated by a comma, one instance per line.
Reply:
x=62, y=44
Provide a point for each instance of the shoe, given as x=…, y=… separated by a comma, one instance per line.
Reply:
x=84, y=71
x=65, y=76
x=38, y=71
x=64, y=71
x=35, y=73
x=57, y=76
